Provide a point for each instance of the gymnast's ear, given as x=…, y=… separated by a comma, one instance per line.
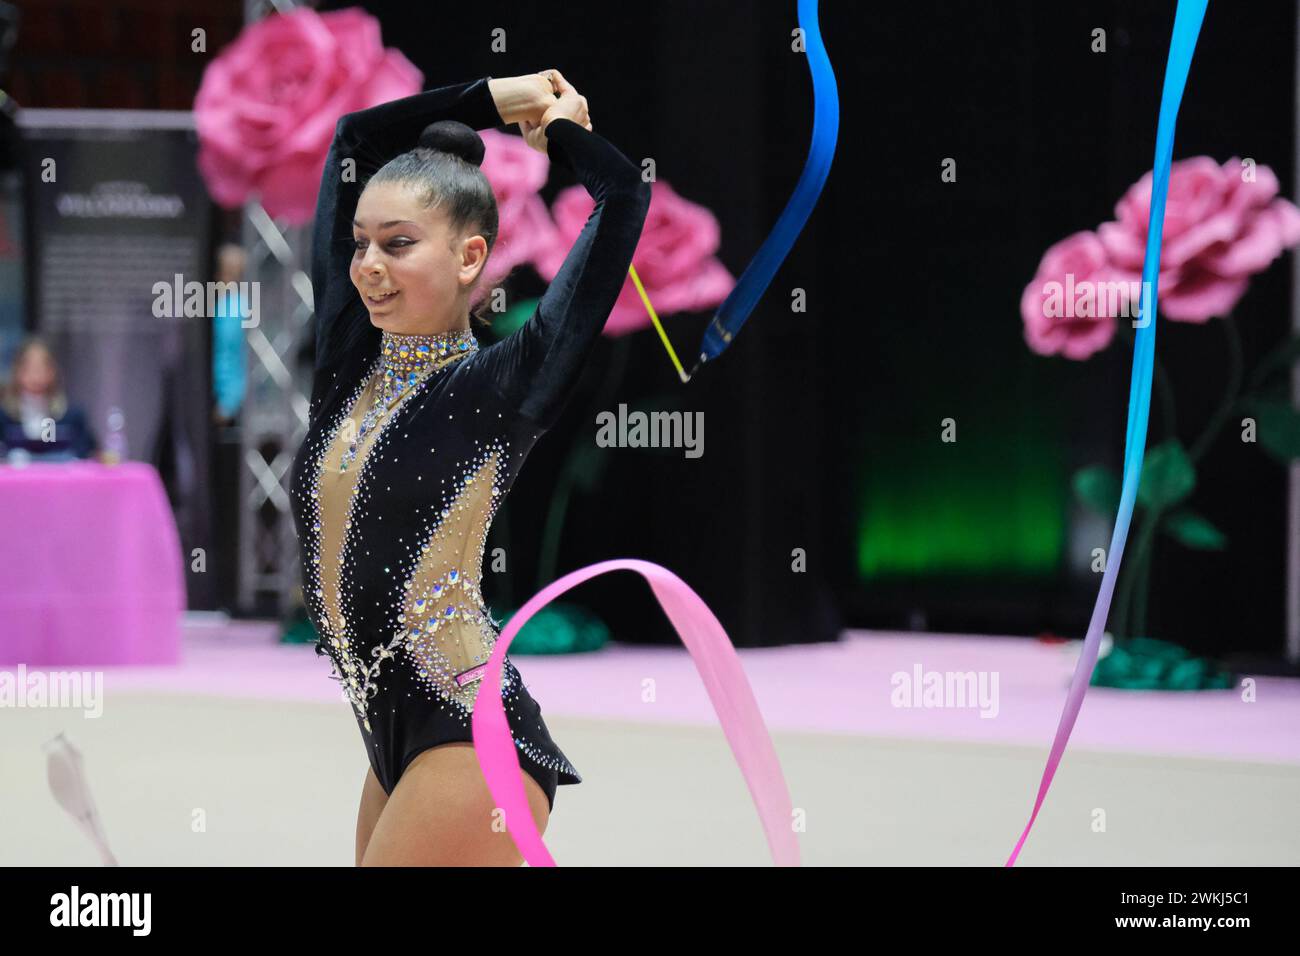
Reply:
x=473, y=257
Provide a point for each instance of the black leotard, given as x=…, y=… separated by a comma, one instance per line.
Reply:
x=392, y=544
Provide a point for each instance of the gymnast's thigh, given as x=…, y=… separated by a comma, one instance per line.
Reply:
x=373, y=800
x=441, y=813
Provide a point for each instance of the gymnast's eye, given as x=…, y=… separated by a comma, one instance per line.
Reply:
x=393, y=244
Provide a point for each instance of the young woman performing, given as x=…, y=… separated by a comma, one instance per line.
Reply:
x=416, y=434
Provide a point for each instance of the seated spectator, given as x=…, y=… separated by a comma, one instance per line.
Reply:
x=34, y=412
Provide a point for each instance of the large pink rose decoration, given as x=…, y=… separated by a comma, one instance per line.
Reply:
x=674, y=258
x=268, y=103
x=1220, y=229
x=516, y=172
x=1070, y=306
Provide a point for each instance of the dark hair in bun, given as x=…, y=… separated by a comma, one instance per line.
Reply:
x=444, y=170
x=453, y=137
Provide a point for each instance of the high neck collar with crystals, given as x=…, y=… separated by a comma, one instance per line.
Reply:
x=403, y=359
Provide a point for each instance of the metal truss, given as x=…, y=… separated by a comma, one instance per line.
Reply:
x=277, y=400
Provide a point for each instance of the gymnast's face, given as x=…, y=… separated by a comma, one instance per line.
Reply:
x=412, y=272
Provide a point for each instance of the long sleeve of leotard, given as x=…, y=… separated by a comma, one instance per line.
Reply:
x=370, y=138
x=536, y=367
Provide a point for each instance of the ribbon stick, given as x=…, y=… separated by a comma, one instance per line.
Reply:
x=654, y=317
x=724, y=679
x=1187, y=27
x=737, y=306
x=65, y=770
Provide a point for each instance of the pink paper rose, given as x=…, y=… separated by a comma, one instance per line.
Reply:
x=517, y=172
x=1220, y=229
x=1070, y=306
x=268, y=103
x=674, y=258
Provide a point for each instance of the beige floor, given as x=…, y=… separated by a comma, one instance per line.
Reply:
x=216, y=781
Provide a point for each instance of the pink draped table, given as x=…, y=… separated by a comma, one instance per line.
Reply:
x=91, y=570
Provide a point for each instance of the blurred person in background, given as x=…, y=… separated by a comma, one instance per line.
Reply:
x=228, y=338
x=35, y=416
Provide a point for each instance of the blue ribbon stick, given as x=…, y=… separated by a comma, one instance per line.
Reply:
x=735, y=309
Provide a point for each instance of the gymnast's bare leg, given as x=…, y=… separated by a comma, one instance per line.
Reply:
x=373, y=799
x=441, y=813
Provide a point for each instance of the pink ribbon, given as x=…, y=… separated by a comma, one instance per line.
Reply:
x=723, y=677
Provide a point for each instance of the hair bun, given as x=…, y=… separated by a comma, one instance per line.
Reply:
x=451, y=136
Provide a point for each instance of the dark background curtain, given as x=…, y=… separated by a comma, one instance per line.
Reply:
x=822, y=428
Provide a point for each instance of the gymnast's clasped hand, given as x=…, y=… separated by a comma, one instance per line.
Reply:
x=533, y=100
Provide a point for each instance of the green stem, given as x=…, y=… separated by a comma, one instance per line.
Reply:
x=1166, y=392
x=502, y=526
x=1282, y=357
x=554, y=526
x=1131, y=598
x=1119, y=609
x=1135, y=590
x=1123, y=599
x=559, y=505
x=1220, y=416
x=1130, y=609
x=1163, y=387
x=1142, y=571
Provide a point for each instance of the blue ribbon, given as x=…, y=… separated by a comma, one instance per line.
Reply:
x=735, y=309
x=1187, y=27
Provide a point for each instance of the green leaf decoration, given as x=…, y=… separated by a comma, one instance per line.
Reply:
x=559, y=628
x=1280, y=359
x=588, y=462
x=1191, y=530
x=1277, y=426
x=1143, y=663
x=1167, y=475
x=512, y=318
x=1097, y=487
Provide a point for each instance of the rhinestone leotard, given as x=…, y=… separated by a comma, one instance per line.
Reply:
x=414, y=441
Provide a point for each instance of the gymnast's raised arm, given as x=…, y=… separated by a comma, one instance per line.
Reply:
x=536, y=367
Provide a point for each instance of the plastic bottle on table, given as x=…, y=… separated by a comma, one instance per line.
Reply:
x=115, y=438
